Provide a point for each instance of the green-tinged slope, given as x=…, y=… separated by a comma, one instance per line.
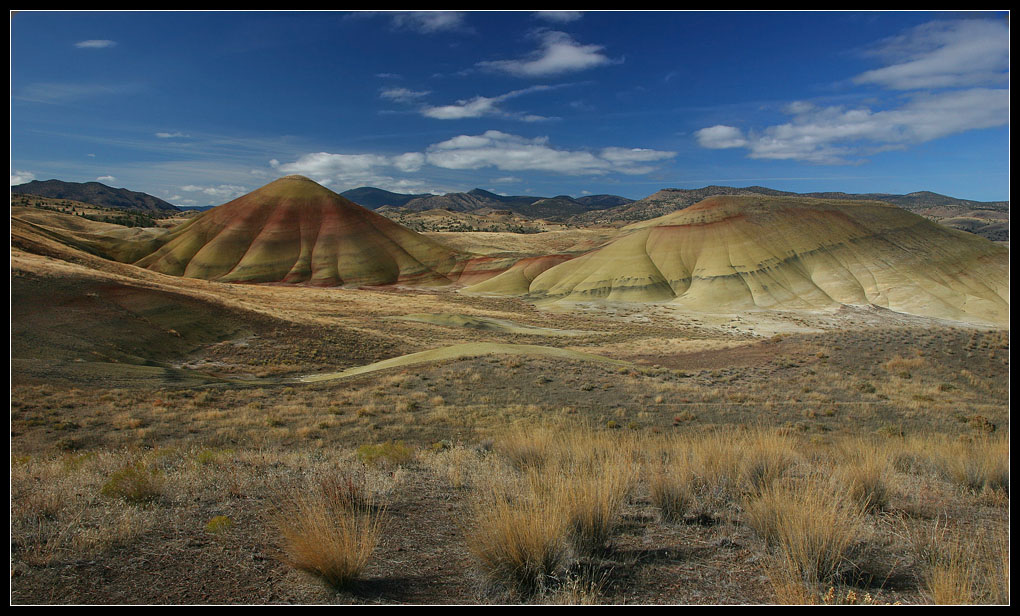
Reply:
x=457, y=351
x=738, y=253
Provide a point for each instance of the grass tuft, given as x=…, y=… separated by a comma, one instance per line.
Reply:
x=330, y=531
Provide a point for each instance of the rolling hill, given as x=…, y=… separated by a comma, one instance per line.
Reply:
x=375, y=198
x=733, y=253
x=96, y=194
x=479, y=200
x=940, y=208
x=294, y=230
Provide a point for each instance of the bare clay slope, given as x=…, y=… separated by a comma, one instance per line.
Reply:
x=294, y=230
x=732, y=253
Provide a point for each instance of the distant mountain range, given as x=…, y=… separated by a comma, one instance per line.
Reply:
x=669, y=200
x=531, y=206
x=95, y=194
x=987, y=218
x=375, y=198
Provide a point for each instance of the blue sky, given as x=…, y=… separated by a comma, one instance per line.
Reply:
x=201, y=107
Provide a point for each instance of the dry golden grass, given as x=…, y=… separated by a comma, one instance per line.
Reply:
x=558, y=500
x=705, y=475
x=537, y=530
x=58, y=508
x=978, y=464
x=811, y=529
x=330, y=530
x=518, y=538
x=864, y=469
x=967, y=566
x=591, y=496
x=527, y=446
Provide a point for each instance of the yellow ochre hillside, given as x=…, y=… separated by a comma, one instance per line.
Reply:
x=732, y=253
x=294, y=230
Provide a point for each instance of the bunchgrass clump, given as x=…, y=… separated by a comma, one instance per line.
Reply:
x=811, y=529
x=389, y=453
x=590, y=499
x=864, y=470
x=982, y=464
x=962, y=565
x=134, y=484
x=519, y=539
x=330, y=531
x=705, y=475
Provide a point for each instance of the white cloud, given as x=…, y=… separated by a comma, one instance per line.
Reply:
x=325, y=165
x=557, y=53
x=720, y=136
x=835, y=134
x=514, y=153
x=106, y=178
x=95, y=44
x=941, y=61
x=493, y=149
x=173, y=135
x=473, y=108
x=409, y=162
x=481, y=106
x=964, y=53
x=353, y=170
x=223, y=192
x=402, y=95
x=626, y=159
x=21, y=177
x=429, y=22
x=634, y=155
x=560, y=16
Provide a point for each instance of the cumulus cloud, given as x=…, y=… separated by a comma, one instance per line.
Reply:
x=325, y=164
x=720, y=136
x=557, y=53
x=410, y=162
x=492, y=149
x=95, y=44
x=481, y=106
x=508, y=152
x=962, y=53
x=430, y=22
x=837, y=134
x=170, y=135
x=106, y=178
x=21, y=177
x=352, y=170
x=402, y=95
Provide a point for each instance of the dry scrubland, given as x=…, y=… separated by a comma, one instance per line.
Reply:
x=551, y=514
x=166, y=449
x=876, y=472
